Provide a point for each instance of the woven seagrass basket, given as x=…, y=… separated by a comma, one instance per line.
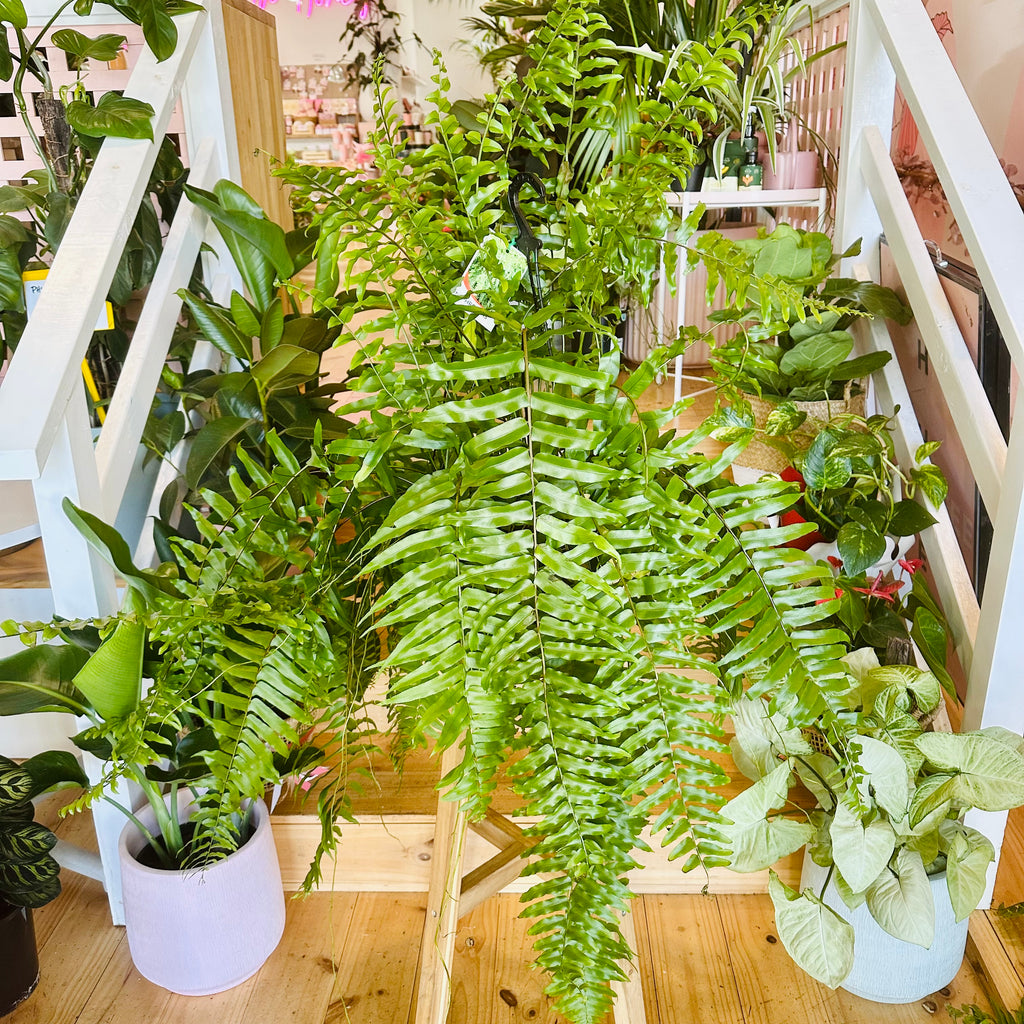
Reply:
x=758, y=455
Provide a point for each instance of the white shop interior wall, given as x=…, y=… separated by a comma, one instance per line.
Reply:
x=312, y=38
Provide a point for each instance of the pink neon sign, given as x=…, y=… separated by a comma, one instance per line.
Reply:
x=307, y=7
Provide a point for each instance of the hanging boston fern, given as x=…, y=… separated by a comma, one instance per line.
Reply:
x=570, y=592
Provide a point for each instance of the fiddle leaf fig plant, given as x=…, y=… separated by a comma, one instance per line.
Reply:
x=568, y=590
x=890, y=795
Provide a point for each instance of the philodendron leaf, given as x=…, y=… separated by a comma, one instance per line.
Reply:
x=105, y=47
x=900, y=900
x=815, y=936
x=118, y=116
x=887, y=775
x=818, y=354
x=860, y=852
x=988, y=774
x=758, y=841
x=968, y=855
x=13, y=12
x=111, y=679
x=860, y=547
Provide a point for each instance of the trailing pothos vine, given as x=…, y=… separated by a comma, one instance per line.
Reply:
x=570, y=592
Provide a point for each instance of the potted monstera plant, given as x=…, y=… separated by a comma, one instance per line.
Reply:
x=29, y=875
x=891, y=872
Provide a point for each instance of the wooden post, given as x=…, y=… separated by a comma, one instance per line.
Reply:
x=437, y=948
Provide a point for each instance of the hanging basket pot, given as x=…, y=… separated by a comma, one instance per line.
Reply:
x=760, y=456
x=203, y=930
x=19, y=963
x=887, y=969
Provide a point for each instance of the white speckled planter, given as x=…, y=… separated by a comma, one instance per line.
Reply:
x=887, y=969
x=203, y=931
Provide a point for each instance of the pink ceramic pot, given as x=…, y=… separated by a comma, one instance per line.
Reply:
x=201, y=931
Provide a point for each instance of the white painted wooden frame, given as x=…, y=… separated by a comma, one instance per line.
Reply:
x=45, y=434
x=893, y=41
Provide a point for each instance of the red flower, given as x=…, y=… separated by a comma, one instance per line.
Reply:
x=836, y=597
x=883, y=591
x=803, y=543
x=911, y=564
x=793, y=476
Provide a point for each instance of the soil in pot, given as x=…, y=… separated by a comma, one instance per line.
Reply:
x=19, y=963
x=148, y=856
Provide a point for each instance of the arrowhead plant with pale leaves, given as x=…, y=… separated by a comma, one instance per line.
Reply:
x=890, y=801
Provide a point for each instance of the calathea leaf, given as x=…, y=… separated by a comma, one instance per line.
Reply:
x=814, y=935
x=900, y=900
x=118, y=116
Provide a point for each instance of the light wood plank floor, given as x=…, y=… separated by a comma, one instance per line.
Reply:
x=351, y=957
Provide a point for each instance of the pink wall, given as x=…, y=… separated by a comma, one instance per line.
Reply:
x=985, y=41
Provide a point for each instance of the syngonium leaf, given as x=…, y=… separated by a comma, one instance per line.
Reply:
x=758, y=840
x=986, y=774
x=860, y=851
x=900, y=900
x=814, y=935
x=968, y=855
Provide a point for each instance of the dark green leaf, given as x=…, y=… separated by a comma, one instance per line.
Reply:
x=909, y=518
x=51, y=667
x=208, y=444
x=118, y=116
x=105, y=47
x=859, y=547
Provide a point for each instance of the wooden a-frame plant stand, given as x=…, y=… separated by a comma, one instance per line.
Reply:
x=452, y=894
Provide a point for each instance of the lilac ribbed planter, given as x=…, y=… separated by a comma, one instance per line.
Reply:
x=201, y=931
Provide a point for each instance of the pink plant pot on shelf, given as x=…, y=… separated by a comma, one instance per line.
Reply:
x=793, y=170
x=200, y=931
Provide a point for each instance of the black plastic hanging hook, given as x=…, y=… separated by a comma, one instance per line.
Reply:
x=526, y=241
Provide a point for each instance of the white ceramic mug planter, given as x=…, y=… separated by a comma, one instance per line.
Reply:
x=201, y=931
x=887, y=969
